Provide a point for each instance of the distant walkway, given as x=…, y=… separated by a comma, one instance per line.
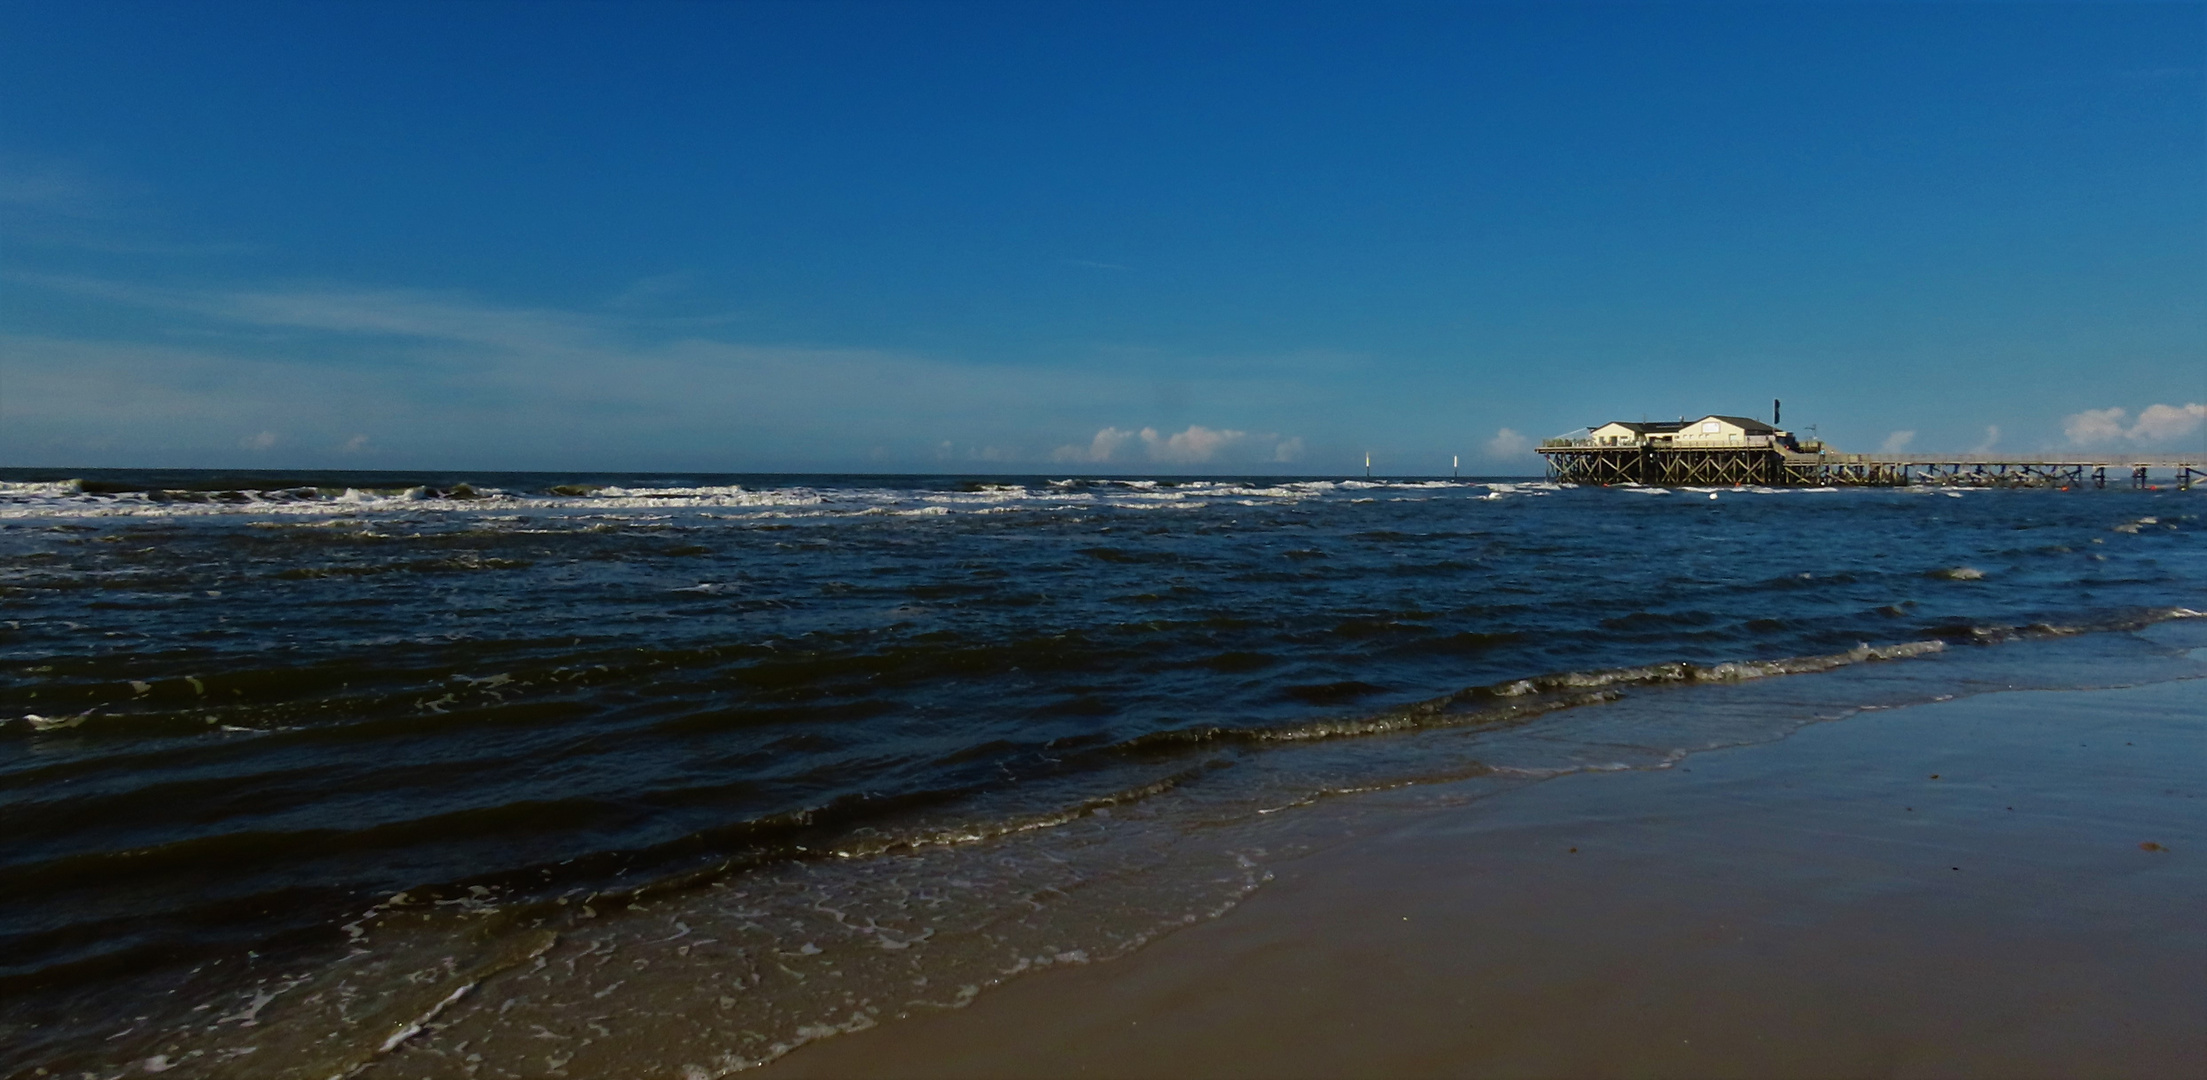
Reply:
x=1765, y=462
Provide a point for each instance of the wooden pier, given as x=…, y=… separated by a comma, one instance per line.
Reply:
x=1770, y=464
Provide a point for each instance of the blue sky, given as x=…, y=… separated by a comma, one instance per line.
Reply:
x=1065, y=238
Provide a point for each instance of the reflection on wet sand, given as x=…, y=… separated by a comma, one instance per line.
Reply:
x=2002, y=885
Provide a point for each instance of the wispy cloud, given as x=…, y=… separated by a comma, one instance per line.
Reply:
x=402, y=313
x=2155, y=423
x=2159, y=74
x=646, y=291
x=1897, y=442
x=445, y=377
x=59, y=203
x=51, y=187
x=688, y=404
x=1992, y=439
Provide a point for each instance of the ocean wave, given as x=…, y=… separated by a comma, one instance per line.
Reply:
x=2118, y=622
x=81, y=498
x=1517, y=700
x=42, y=489
x=73, y=498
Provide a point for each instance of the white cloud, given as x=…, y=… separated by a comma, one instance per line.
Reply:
x=2094, y=425
x=1897, y=442
x=2156, y=423
x=355, y=445
x=266, y=440
x=1508, y=444
x=2162, y=422
x=1992, y=436
x=1105, y=446
x=1197, y=445
x=1194, y=446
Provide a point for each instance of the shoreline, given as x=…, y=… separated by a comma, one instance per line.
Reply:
x=890, y=944
x=1855, y=899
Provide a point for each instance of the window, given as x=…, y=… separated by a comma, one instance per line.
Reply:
x=1710, y=427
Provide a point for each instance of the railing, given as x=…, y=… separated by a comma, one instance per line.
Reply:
x=1763, y=442
x=1753, y=442
x=2089, y=461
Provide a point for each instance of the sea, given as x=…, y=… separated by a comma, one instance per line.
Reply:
x=325, y=774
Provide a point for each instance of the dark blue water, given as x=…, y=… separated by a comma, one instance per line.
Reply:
x=234, y=710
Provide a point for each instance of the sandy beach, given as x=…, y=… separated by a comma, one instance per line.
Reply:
x=2001, y=885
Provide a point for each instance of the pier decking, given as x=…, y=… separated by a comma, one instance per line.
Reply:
x=1772, y=464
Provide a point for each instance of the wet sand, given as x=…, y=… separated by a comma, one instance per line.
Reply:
x=2010, y=885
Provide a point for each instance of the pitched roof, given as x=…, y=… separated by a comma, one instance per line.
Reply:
x=1645, y=427
x=1743, y=422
